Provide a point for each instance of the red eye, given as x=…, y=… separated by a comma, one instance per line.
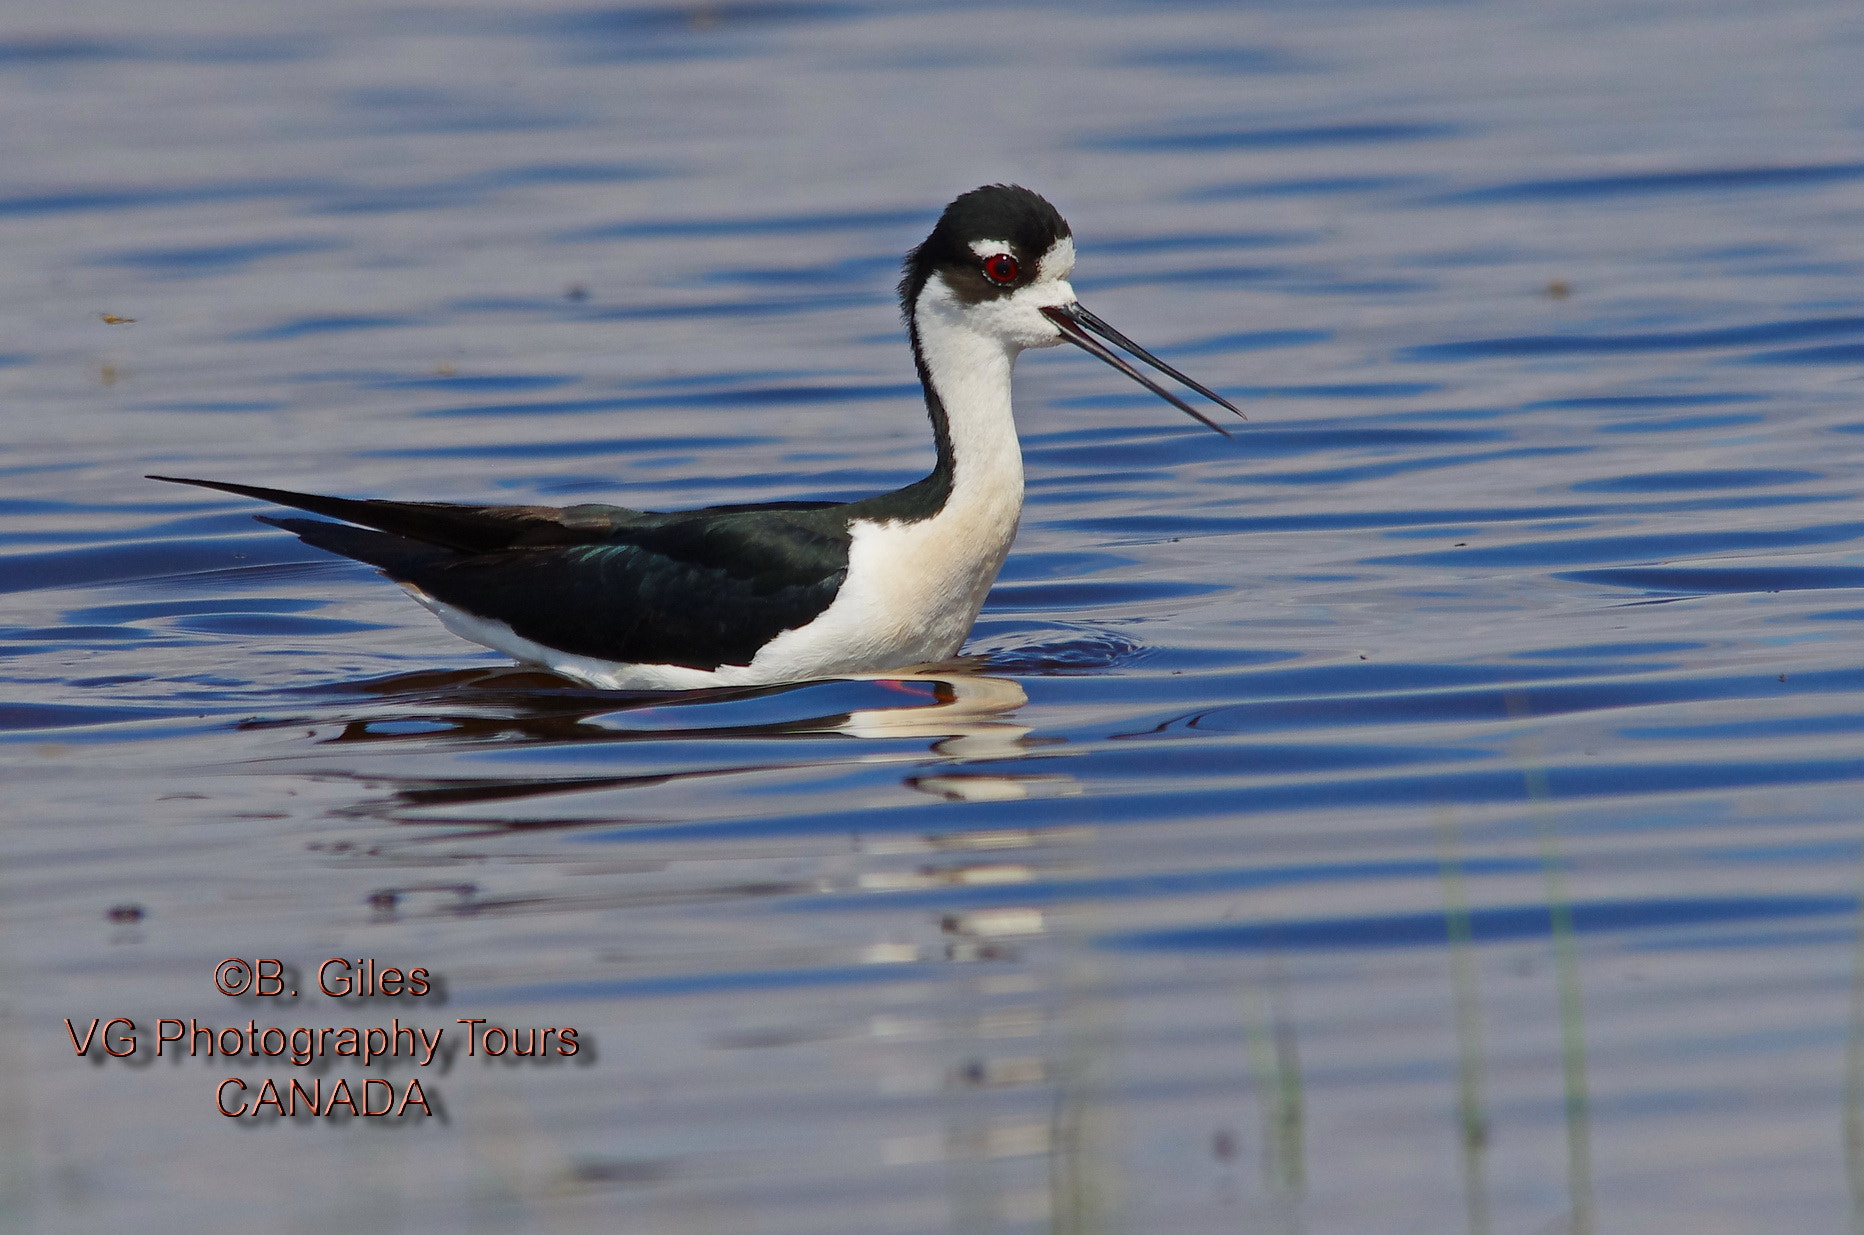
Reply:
x=1001, y=268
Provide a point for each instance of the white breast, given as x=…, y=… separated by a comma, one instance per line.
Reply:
x=912, y=592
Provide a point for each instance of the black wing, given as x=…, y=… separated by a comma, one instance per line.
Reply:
x=699, y=588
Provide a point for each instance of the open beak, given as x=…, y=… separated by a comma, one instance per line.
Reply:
x=1074, y=322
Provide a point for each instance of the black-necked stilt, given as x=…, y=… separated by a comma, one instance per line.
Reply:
x=784, y=591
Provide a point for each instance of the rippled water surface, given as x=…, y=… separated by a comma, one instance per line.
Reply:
x=1435, y=809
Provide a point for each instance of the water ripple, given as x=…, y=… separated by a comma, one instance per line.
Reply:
x=1320, y=135
x=1637, y=184
x=1682, y=340
x=1483, y=925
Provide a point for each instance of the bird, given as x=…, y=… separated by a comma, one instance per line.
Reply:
x=773, y=592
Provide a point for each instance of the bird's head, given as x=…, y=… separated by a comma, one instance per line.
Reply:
x=998, y=257
x=997, y=265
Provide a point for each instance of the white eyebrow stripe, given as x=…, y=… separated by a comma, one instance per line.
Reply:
x=990, y=248
x=1058, y=262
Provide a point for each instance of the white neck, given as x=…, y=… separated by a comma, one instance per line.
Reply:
x=970, y=373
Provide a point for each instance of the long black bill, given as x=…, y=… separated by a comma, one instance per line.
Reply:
x=1074, y=322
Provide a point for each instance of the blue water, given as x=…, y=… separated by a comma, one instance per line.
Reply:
x=1436, y=809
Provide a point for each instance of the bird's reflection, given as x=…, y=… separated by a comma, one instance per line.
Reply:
x=949, y=702
x=960, y=713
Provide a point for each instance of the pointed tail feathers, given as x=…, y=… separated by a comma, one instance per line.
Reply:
x=397, y=556
x=461, y=528
x=350, y=510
